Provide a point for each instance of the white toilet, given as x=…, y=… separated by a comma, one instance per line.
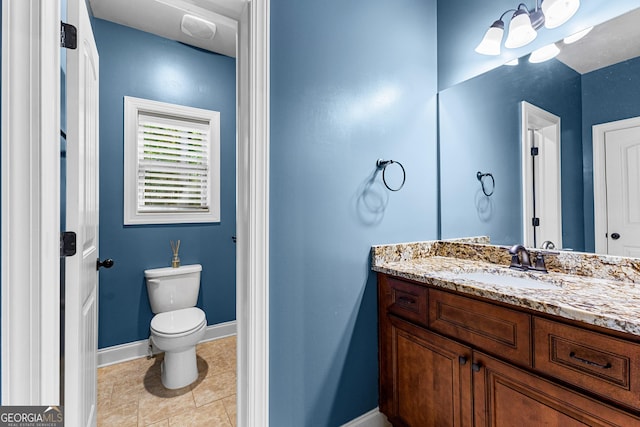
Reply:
x=178, y=325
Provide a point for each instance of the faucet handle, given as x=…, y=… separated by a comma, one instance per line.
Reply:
x=539, y=266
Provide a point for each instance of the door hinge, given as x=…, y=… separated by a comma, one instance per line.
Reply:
x=68, y=36
x=535, y=222
x=67, y=243
x=534, y=151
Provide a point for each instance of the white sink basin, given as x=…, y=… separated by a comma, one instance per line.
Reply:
x=504, y=280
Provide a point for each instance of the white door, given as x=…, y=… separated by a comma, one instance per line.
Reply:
x=622, y=157
x=541, y=194
x=81, y=288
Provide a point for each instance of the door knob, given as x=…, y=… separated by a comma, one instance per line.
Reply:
x=107, y=263
x=615, y=236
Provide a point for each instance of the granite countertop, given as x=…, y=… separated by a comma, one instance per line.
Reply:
x=594, y=289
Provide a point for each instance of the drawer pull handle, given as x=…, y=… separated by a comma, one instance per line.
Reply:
x=406, y=301
x=462, y=360
x=589, y=362
x=475, y=367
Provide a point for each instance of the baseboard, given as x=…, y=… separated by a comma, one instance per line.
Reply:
x=373, y=418
x=133, y=350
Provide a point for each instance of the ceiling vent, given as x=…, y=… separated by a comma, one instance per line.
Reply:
x=197, y=27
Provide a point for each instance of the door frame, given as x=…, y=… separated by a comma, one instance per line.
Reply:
x=30, y=270
x=600, y=178
x=534, y=116
x=30, y=202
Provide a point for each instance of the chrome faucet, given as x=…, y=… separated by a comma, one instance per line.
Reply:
x=520, y=259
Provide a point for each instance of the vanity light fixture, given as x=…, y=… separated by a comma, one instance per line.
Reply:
x=525, y=23
x=577, y=36
x=521, y=28
x=557, y=12
x=513, y=62
x=545, y=53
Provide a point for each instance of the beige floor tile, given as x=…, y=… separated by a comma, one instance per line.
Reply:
x=121, y=416
x=163, y=423
x=104, y=396
x=218, y=357
x=209, y=415
x=115, y=373
x=230, y=406
x=160, y=404
x=131, y=393
x=215, y=387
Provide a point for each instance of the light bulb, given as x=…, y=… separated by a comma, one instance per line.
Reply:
x=521, y=32
x=557, y=12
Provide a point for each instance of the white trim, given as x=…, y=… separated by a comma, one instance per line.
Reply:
x=373, y=418
x=252, y=269
x=600, y=179
x=532, y=115
x=137, y=349
x=30, y=202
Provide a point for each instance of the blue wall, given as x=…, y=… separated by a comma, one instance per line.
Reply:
x=139, y=64
x=609, y=94
x=480, y=131
x=350, y=82
x=463, y=24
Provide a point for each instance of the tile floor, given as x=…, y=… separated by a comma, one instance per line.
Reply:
x=131, y=394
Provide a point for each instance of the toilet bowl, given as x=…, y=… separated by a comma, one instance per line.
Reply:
x=178, y=325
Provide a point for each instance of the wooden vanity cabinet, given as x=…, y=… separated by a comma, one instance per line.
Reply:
x=482, y=373
x=508, y=396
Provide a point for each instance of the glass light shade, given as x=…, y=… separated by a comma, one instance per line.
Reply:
x=521, y=32
x=577, y=36
x=557, y=12
x=513, y=62
x=490, y=44
x=544, y=53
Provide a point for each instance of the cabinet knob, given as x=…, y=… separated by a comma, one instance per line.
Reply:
x=462, y=360
x=476, y=367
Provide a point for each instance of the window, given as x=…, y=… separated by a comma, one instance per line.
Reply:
x=171, y=163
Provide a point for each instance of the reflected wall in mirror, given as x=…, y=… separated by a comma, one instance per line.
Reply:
x=480, y=130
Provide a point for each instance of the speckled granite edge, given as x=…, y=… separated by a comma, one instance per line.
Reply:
x=606, y=267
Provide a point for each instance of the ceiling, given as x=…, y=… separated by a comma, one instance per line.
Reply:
x=609, y=43
x=164, y=17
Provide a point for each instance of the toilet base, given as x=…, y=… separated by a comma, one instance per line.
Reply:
x=179, y=369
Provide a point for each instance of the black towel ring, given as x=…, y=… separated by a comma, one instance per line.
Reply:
x=481, y=175
x=382, y=164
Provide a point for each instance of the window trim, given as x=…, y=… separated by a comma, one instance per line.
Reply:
x=132, y=109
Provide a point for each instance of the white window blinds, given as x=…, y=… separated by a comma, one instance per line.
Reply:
x=173, y=164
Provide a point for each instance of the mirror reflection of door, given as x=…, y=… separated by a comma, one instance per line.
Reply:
x=619, y=143
x=542, y=207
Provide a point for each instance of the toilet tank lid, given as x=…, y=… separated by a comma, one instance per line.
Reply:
x=170, y=271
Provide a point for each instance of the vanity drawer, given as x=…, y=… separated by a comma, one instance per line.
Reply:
x=498, y=330
x=407, y=300
x=598, y=363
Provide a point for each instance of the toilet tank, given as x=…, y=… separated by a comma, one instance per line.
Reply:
x=173, y=288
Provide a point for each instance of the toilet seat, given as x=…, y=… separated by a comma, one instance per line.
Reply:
x=178, y=322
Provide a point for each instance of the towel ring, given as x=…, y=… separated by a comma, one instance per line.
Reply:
x=382, y=164
x=480, y=177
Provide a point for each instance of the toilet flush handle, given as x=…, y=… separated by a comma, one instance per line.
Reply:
x=107, y=263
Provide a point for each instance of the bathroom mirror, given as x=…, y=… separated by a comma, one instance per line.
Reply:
x=592, y=81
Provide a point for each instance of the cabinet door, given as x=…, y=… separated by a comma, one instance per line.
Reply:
x=431, y=378
x=507, y=396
